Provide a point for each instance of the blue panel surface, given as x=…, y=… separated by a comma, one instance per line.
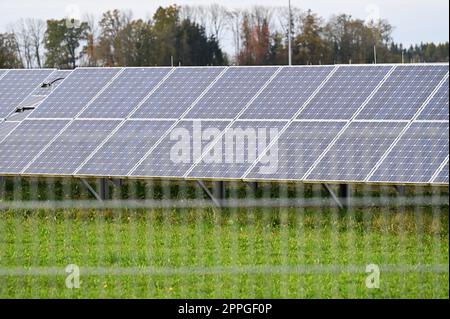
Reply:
x=180, y=149
x=437, y=108
x=287, y=93
x=296, y=150
x=236, y=151
x=16, y=85
x=125, y=93
x=356, y=152
x=74, y=93
x=71, y=148
x=125, y=148
x=345, y=92
x=404, y=92
x=231, y=93
x=442, y=177
x=417, y=155
x=178, y=93
x=6, y=128
x=25, y=142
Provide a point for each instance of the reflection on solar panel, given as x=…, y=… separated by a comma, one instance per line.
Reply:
x=125, y=148
x=16, y=85
x=177, y=93
x=71, y=147
x=176, y=153
x=345, y=92
x=74, y=93
x=287, y=92
x=125, y=93
x=297, y=148
x=6, y=128
x=404, y=92
x=442, y=177
x=437, y=108
x=356, y=151
x=230, y=94
x=237, y=150
x=416, y=156
x=25, y=142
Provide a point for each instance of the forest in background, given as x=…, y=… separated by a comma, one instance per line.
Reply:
x=196, y=36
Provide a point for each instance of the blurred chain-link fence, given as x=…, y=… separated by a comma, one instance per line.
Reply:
x=69, y=238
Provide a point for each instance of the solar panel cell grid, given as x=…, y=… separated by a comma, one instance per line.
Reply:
x=180, y=149
x=125, y=148
x=437, y=108
x=71, y=148
x=416, y=156
x=177, y=93
x=52, y=79
x=237, y=150
x=16, y=85
x=25, y=142
x=287, y=93
x=404, y=92
x=125, y=93
x=74, y=93
x=442, y=177
x=296, y=150
x=6, y=128
x=356, y=151
x=345, y=92
x=231, y=93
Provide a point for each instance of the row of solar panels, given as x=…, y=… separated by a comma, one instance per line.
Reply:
x=382, y=124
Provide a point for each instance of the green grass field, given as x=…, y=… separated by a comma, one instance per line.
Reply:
x=240, y=253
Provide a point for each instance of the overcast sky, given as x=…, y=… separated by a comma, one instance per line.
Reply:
x=414, y=20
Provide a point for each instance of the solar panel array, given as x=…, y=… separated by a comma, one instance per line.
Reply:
x=359, y=123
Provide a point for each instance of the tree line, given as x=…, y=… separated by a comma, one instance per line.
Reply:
x=197, y=35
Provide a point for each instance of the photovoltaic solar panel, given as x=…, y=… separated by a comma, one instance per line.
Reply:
x=442, y=177
x=231, y=93
x=237, y=150
x=287, y=93
x=180, y=149
x=345, y=92
x=70, y=148
x=416, y=156
x=437, y=108
x=177, y=93
x=52, y=79
x=19, y=116
x=74, y=93
x=16, y=85
x=25, y=142
x=404, y=92
x=296, y=150
x=101, y=141
x=125, y=148
x=125, y=93
x=356, y=151
x=6, y=128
